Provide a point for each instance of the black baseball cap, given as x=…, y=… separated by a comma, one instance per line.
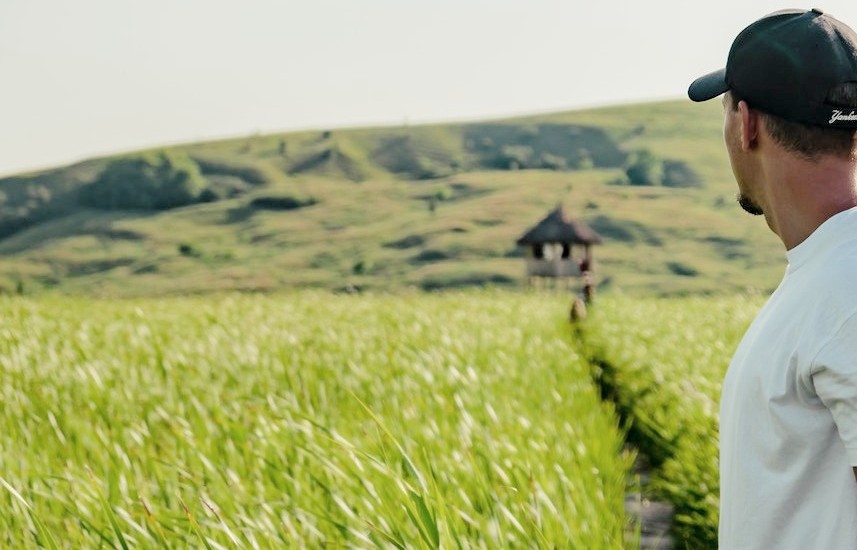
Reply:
x=786, y=64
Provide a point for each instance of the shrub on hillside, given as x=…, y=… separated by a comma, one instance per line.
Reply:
x=282, y=202
x=548, y=161
x=679, y=174
x=513, y=157
x=189, y=251
x=155, y=181
x=682, y=270
x=582, y=160
x=643, y=168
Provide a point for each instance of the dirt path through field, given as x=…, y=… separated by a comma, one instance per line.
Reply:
x=653, y=517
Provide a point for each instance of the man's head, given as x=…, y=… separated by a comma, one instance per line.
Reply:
x=791, y=64
x=795, y=71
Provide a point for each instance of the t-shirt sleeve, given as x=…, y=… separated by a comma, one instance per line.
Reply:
x=834, y=375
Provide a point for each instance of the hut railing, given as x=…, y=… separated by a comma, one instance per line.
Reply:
x=553, y=268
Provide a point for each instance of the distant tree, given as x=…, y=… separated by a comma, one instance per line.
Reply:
x=155, y=181
x=552, y=162
x=583, y=160
x=37, y=195
x=643, y=168
x=443, y=194
x=188, y=250
x=361, y=267
x=513, y=157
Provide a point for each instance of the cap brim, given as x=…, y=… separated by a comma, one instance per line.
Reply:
x=708, y=86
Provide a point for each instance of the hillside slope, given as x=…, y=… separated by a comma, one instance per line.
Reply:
x=429, y=207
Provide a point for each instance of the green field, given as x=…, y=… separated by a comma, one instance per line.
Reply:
x=413, y=421
x=454, y=420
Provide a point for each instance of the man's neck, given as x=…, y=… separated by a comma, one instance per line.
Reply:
x=802, y=194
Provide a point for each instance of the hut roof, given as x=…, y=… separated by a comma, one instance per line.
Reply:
x=557, y=228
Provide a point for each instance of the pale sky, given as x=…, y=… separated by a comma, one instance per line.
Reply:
x=81, y=78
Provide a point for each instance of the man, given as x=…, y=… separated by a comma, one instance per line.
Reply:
x=788, y=419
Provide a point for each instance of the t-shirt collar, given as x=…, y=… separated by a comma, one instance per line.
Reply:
x=824, y=236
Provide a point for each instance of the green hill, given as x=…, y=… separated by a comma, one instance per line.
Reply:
x=434, y=206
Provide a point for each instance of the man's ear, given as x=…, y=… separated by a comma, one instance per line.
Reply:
x=749, y=126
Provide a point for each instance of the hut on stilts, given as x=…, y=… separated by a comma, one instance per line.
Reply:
x=559, y=251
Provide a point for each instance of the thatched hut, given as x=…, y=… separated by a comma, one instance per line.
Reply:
x=559, y=247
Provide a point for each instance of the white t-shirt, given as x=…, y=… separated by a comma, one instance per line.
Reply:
x=788, y=412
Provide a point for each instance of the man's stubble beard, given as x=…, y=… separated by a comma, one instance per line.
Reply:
x=749, y=206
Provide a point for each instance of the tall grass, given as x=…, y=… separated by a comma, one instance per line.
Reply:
x=662, y=361
x=305, y=420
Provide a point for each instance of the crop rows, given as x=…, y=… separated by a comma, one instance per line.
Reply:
x=662, y=362
x=306, y=420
